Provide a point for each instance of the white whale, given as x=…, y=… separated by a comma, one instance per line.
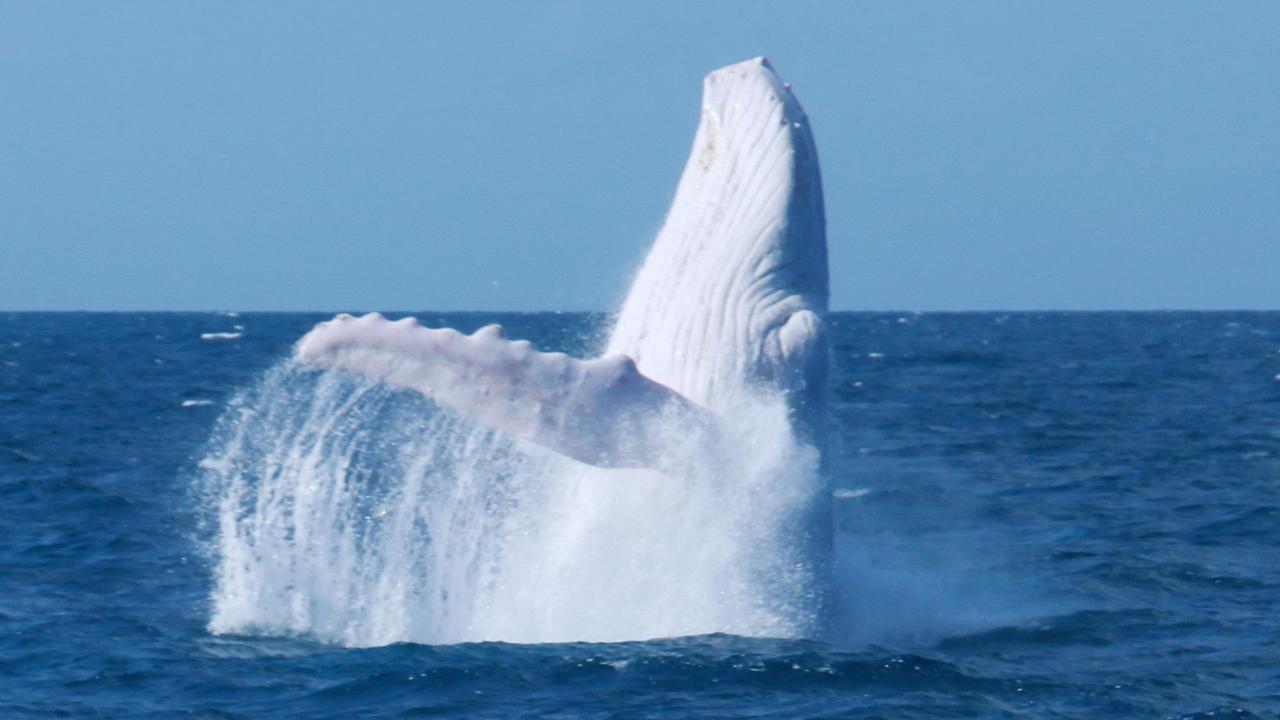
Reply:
x=731, y=297
x=683, y=491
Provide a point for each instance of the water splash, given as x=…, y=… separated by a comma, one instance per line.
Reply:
x=353, y=513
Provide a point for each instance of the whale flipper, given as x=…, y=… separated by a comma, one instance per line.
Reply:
x=600, y=411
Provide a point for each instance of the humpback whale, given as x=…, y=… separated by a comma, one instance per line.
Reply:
x=672, y=485
x=730, y=300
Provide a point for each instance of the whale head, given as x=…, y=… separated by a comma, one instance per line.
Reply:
x=734, y=290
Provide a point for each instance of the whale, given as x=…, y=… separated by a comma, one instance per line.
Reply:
x=391, y=482
x=730, y=301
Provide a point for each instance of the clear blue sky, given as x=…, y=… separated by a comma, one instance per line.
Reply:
x=520, y=156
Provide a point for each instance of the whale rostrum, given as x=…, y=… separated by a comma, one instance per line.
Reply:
x=731, y=298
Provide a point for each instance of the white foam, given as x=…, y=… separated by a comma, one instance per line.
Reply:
x=220, y=336
x=849, y=494
x=343, y=514
x=196, y=403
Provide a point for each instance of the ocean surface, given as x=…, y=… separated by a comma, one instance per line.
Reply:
x=1039, y=515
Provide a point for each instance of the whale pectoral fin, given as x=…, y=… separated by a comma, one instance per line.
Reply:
x=601, y=411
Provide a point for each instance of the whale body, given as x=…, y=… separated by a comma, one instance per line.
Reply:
x=674, y=485
x=731, y=299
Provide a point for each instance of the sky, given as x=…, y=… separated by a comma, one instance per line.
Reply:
x=520, y=156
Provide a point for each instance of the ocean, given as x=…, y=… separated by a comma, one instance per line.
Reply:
x=1038, y=515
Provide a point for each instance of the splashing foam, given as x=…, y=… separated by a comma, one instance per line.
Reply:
x=357, y=514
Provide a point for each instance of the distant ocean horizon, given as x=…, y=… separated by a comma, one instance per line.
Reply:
x=579, y=311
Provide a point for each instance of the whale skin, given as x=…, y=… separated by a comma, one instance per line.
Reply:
x=731, y=299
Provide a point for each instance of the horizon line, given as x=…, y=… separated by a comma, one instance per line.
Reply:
x=886, y=311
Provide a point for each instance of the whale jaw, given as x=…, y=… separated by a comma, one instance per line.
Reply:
x=734, y=290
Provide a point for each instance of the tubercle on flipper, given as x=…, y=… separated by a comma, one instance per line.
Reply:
x=491, y=331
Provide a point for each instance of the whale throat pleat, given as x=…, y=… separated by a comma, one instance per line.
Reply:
x=742, y=250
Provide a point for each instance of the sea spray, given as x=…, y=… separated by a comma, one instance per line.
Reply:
x=358, y=514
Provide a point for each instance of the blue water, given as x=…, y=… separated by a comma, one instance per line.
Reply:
x=1041, y=515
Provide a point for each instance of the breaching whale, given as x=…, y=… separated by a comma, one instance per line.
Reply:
x=672, y=486
x=731, y=299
